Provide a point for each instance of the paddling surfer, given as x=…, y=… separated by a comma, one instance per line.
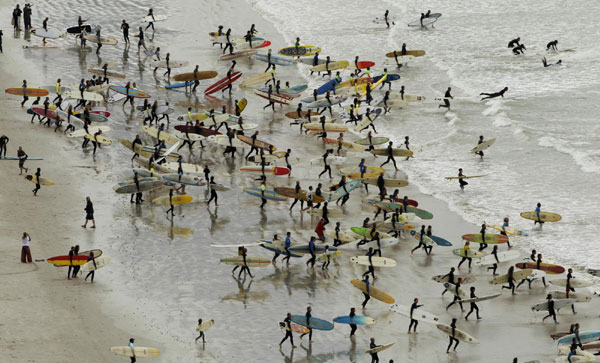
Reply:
x=494, y=95
x=367, y=294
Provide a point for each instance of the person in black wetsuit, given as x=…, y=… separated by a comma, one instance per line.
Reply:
x=446, y=100
x=456, y=297
x=367, y=285
x=551, y=311
x=511, y=280
x=3, y=142
x=461, y=181
x=493, y=95
x=213, y=192
x=150, y=23
x=297, y=198
x=514, y=43
x=228, y=44
x=308, y=315
x=326, y=168
x=519, y=49
x=421, y=242
x=495, y=265
x=37, y=184
x=125, y=29
x=415, y=305
x=474, y=306
x=269, y=96
x=374, y=356
x=171, y=206
x=288, y=330
x=545, y=63
x=390, y=155
x=452, y=336
x=141, y=42
x=92, y=272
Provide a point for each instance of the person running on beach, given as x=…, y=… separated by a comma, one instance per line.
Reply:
x=421, y=242
x=201, y=335
x=467, y=251
x=150, y=23
x=288, y=330
x=371, y=268
x=326, y=258
x=1, y=35
x=519, y=49
x=461, y=181
x=452, y=336
x=474, y=306
x=37, y=182
x=92, y=272
x=269, y=97
x=413, y=322
x=511, y=280
x=390, y=156
x=374, y=356
x=22, y=158
x=483, y=245
x=495, y=265
x=447, y=97
x=311, y=251
x=213, y=193
x=228, y=43
x=457, y=298
x=551, y=311
x=89, y=212
x=449, y=277
x=367, y=293
x=494, y=95
x=125, y=29
x=308, y=315
x=326, y=167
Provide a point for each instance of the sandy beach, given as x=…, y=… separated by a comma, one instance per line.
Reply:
x=164, y=275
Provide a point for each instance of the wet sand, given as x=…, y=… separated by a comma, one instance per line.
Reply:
x=160, y=282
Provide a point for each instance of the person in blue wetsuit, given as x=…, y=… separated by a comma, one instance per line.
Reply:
x=538, y=210
x=311, y=250
x=308, y=315
x=368, y=292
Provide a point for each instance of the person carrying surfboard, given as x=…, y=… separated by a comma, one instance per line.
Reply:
x=326, y=167
x=461, y=181
x=308, y=315
x=99, y=44
x=457, y=298
x=452, y=336
x=288, y=330
x=141, y=42
x=269, y=97
x=311, y=250
x=92, y=272
x=467, y=249
x=150, y=23
x=551, y=311
x=374, y=356
x=474, y=306
x=421, y=242
x=390, y=154
x=447, y=96
x=201, y=335
x=287, y=244
x=483, y=245
x=367, y=284
x=125, y=29
x=413, y=322
x=511, y=280
x=371, y=268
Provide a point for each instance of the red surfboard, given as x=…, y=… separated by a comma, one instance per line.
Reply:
x=548, y=267
x=222, y=83
x=364, y=65
x=101, y=112
x=197, y=130
x=275, y=97
x=66, y=261
x=42, y=112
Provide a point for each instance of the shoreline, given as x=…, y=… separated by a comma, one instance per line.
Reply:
x=114, y=236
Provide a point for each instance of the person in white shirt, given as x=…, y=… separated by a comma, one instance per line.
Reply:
x=131, y=341
x=25, y=251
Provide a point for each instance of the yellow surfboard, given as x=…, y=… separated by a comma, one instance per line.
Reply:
x=332, y=66
x=544, y=216
x=373, y=292
x=177, y=200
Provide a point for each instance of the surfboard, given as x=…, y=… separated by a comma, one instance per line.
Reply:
x=426, y=21
x=257, y=143
x=458, y=334
x=103, y=40
x=16, y=158
x=390, y=183
x=465, y=177
x=65, y=260
x=379, y=348
x=251, y=261
x=99, y=139
x=255, y=44
x=377, y=261
x=43, y=181
x=278, y=60
x=205, y=325
x=483, y=146
x=374, y=141
x=418, y=314
x=299, y=329
x=279, y=247
x=414, y=53
x=428, y=241
x=238, y=54
x=135, y=93
x=471, y=254
x=455, y=291
x=480, y=298
x=575, y=283
x=373, y=292
x=327, y=126
x=509, y=230
x=201, y=75
x=584, y=337
x=140, y=352
x=344, y=237
x=342, y=191
x=332, y=66
x=346, y=145
x=502, y=257
x=383, y=243
x=101, y=261
x=275, y=170
x=332, y=256
x=184, y=179
x=131, y=188
x=356, y=319
x=76, y=29
x=291, y=193
x=336, y=100
x=517, y=275
x=362, y=232
x=578, y=296
x=558, y=304
x=395, y=152
x=303, y=248
x=164, y=135
x=301, y=50
x=50, y=33
x=489, y=238
x=314, y=323
x=544, y=216
x=275, y=97
x=177, y=200
x=547, y=267
x=465, y=279
x=30, y=92
x=257, y=78
x=408, y=97
x=152, y=18
x=172, y=64
x=222, y=83
x=268, y=194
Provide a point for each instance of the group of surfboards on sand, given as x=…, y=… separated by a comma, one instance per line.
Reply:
x=374, y=236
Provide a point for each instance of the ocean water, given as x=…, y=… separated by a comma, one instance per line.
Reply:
x=546, y=128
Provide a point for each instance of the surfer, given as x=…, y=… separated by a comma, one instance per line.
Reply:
x=171, y=206
x=99, y=44
x=467, y=251
x=511, y=280
x=213, y=192
x=196, y=80
x=201, y=332
x=308, y=315
x=311, y=250
x=326, y=258
x=552, y=45
x=452, y=336
x=386, y=17
x=125, y=29
x=449, y=277
x=141, y=42
x=495, y=265
x=545, y=63
x=228, y=44
x=538, y=210
x=514, y=43
x=374, y=356
x=22, y=158
x=519, y=49
x=413, y=322
x=89, y=213
x=37, y=182
x=367, y=294
x=92, y=272
x=245, y=267
x=371, y=268
x=474, y=306
x=95, y=142
x=551, y=311
x=269, y=97
x=150, y=23
x=288, y=330
x=326, y=168
x=297, y=197
x=3, y=142
x=447, y=97
x=287, y=161
x=390, y=155
x=482, y=245
x=461, y=181
x=457, y=298
x=421, y=242
x=286, y=246
x=494, y=95
x=132, y=347
x=25, y=98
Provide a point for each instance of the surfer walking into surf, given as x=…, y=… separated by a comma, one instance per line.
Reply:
x=308, y=315
x=474, y=306
x=447, y=97
x=374, y=356
x=93, y=271
x=37, y=182
x=390, y=156
x=551, y=311
x=201, y=335
x=326, y=167
x=367, y=292
x=151, y=22
x=511, y=280
x=493, y=95
x=452, y=336
x=311, y=251
x=288, y=330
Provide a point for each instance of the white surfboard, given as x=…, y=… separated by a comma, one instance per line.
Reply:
x=502, y=257
x=93, y=130
x=480, y=298
x=484, y=145
x=418, y=314
x=384, y=243
x=100, y=262
x=377, y=261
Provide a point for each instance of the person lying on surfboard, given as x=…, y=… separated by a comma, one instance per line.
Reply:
x=493, y=95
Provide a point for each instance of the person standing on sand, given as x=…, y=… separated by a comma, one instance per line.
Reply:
x=125, y=29
x=71, y=254
x=132, y=347
x=92, y=272
x=213, y=192
x=25, y=251
x=89, y=213
x=374, y=356
x=452, y=336
x=201, y=332
x=288, y=330
x=3, y=142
